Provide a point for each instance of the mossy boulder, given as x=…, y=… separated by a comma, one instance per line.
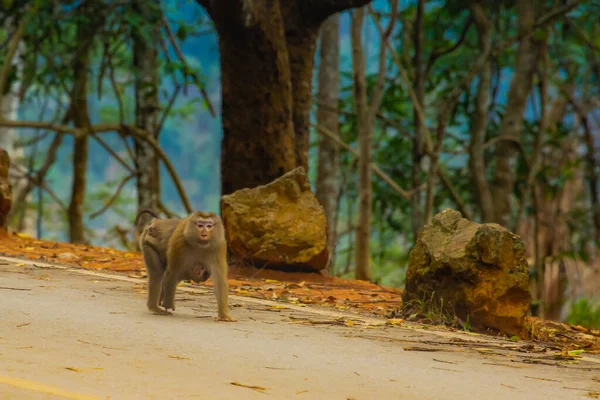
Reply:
x=5, y=188
x=477, y=272
x=280, y=225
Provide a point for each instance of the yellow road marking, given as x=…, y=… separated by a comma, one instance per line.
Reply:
x=40, y=387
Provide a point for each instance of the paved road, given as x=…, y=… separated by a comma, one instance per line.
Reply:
x=71, y=334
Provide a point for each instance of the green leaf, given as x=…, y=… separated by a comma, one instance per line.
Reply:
x=181, y=33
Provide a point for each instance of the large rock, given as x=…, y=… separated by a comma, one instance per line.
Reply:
x=478, y=272
x=5, y=188
x=281, y=225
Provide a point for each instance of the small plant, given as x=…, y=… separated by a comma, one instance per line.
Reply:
x=584, y=313
x=514, y=338
x=467, y=325
x=432, y=310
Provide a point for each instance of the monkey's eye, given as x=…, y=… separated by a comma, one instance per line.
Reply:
x=209, y=226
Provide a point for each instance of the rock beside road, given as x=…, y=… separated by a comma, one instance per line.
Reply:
x=5, y=188
x=477, y=272
x=280, y=225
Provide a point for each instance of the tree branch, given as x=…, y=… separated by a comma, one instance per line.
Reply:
x=113, y=153
x=206, y=4
x=462, y=207
x=138, y=134
x=378, y=90
x=12, y=49
x=167, y=110
x=162, y=207
x=437, y=53
x=326, y=132
x=33, y=180
x=114, y=197
x=188, y=70
x=143, y=135
x=319, y=10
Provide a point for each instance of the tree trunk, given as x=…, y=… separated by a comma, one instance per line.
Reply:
x=592, y=175
x=480, y=118
x=258, y=131
x=267, y=54
x=145, y=63
x=363, y=231
x=512, y=123
x=328, y=172
x=301, y=44
x=86, y=29
x=418, y=140
x=20, y=217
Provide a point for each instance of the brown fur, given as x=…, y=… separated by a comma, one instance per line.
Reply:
x=175, y=250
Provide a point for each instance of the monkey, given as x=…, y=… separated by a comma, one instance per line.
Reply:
x=198, y=238
x=178, y=249
x=156, y=237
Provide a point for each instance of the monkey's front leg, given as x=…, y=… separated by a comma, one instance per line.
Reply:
x=219, y=275
x=169, y=287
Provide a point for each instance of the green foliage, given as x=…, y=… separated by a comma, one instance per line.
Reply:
x=585, y=313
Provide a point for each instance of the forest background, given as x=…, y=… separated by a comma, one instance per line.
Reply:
x=488, y=107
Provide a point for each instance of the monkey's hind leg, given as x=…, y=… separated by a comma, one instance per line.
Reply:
x=169, y=286
x=155, y=280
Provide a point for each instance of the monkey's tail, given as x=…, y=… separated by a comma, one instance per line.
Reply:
x=142, y=212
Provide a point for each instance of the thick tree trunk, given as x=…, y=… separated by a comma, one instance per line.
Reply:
x=328, y=170
x=301, y=41
x=258, y=131
x=267, y=54
x=365, y=193
x=480, y=118
x=145, y=63
x=86, y=30
x=419, y=138
x=512, y=123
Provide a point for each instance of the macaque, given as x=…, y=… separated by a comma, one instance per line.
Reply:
x=177, y=249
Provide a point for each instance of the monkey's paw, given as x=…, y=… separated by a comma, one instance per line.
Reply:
x=167, y=305
x=160, y=311
x=226, y=318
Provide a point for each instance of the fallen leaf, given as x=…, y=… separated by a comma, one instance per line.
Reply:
x=348, y=322
x=394, y=322
x=416, y=348
x=575, y=352
x=271, y=281
x=20, y=265
x=179, y=357
x=74, y=369
x=253, y=387
x=301, y=391
x=278, y=307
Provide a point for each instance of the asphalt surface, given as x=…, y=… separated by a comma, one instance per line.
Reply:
x=68, y=333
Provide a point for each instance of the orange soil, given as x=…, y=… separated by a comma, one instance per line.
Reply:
x=293, y=287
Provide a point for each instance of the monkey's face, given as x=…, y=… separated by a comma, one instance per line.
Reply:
x=205, y=229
